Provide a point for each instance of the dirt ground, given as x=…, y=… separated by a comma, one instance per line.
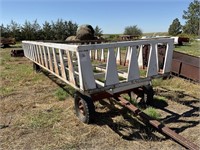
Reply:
x=32, y=117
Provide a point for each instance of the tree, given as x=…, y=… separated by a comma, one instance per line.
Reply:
x=47, y=31
x=192, y=17
x=98, y=32
x=5, y=31
x=14, y=29
x=175, y=27
x=133, y=30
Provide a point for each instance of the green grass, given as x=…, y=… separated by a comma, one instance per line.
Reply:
x=44, y=119
x=193, y=48
x=61, y=94
x=152, y=113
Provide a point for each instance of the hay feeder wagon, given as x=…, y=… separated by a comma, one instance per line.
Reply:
x=104, y=70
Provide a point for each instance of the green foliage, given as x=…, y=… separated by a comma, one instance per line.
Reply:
x=192, y=17
x=133, y=30
x=152, y=113
x=175, y=27
x=61, y=94
x=98, y=32
x=58, y=30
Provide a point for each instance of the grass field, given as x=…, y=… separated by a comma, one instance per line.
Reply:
x=36, y=113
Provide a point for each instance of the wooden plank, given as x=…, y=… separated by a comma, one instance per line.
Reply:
x=168, y=57
x=41, y=55
x=119, y=56
x=111, y=76
x=140, y=57
x=86, y=75
x=55, y=61
x=50, y=59
x=38, y=54
x=152, y=68
x=102, y=55
x=133, y=69
x=62, y=65
x=71, y=68
x=96, y=55
x=45, y=57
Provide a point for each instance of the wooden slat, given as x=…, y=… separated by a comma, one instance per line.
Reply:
x=111, y=76
x=41, y=55
x=168, y=57
x=118, y=56
x=102, y=55
x=50, y=59
x=38, y=55
x=55, y=61
x=71, y=68
x=140, y=57
x=45, y=57
x=133, y=69
x=62, y=65
x=152, y=68
x=86, y=75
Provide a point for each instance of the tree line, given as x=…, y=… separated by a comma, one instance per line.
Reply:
x=58, y=30
x=192, y=17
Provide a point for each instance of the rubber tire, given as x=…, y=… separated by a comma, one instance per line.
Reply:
x=148, y=94
x=88, y=106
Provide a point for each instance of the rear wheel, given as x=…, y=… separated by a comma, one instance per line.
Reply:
x=84, y=108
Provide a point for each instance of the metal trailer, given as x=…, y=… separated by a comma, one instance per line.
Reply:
x=98, y=71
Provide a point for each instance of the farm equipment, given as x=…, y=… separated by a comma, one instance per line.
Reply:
x=5, y=42
x=106, y=70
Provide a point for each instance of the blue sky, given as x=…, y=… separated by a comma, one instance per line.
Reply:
x=112, y=16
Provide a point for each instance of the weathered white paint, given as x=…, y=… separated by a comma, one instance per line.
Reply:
x=111, y=76
x=133, y=69
x=62, y=64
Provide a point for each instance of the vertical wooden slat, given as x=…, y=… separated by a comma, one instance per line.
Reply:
x=45, y=57
x=133, y=69
x=50, y=59
x=152, y=68
x=62, y=65
x=119, y=56
x=96, y=55
x=38, y=54
x=111, y=75
x=168, y=57
x=140, y=57
x=102, y=55
x=55, y=61
x=41, y=55
x=86, y=75
x=71, y=68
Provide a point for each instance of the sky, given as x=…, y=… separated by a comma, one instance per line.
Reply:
x=112, y=16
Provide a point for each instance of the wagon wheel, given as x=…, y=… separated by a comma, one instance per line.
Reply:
x=84, y=108
x=143, y=95
x=36, y=67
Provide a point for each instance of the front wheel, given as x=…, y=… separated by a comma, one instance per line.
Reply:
x=84, y=108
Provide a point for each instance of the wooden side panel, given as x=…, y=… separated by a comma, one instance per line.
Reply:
x=41, y=55
x=45, y=57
